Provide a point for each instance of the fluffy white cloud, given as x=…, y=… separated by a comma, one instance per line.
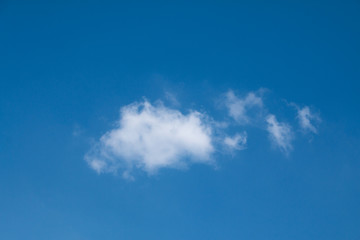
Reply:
x=237, y=142
x=152, y=137
x=280, y=133
x=239, y=107
x=306, y=118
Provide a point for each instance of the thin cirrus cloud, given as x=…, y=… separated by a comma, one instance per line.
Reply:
x=280, y=133
x=236, y=142
x=150, y=137
x=239, y=108
x=307, y=119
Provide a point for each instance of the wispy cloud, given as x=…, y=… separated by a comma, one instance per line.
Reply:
x=237, y=142
x=239, y=108
x=307, y=119
x=280, y=133
x=171, y=97
x=151, y=137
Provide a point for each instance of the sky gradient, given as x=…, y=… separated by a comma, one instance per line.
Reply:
x=243, y=120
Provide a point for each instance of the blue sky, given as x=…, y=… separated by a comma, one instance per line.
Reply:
x=216, y=120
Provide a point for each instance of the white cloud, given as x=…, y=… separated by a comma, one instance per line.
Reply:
x=239, y=107
x=237, y=142
x=280, y=133
x=306, y=118
x=151, y=137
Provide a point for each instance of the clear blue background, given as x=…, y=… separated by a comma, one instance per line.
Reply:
x=66, y=68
